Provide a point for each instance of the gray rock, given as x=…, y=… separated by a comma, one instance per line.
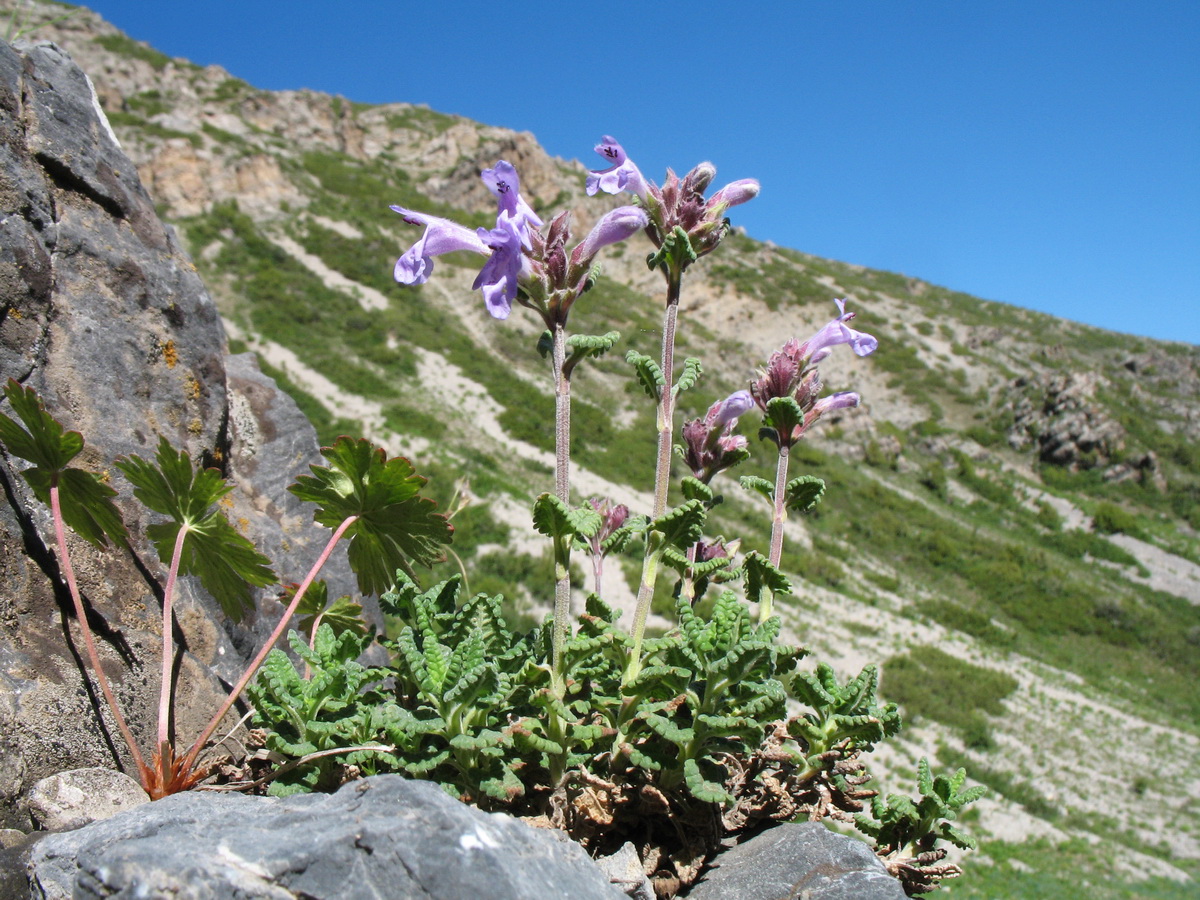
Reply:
x=378, y=837
x=624, y=869
x=81, y=796
x=102, y=312
x=798, y=862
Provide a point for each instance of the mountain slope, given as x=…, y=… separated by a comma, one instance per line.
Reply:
x=1012, y=515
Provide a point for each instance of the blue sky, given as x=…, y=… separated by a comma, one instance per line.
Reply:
x=1045, y=153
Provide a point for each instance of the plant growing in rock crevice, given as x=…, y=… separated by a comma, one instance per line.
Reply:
x=672, y=742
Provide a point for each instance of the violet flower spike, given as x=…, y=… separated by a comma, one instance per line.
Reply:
x=441, y=236
x=622, y=175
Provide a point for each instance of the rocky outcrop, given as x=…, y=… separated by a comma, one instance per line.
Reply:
x=104, y=315
x=1059, y=415
x=378, y=837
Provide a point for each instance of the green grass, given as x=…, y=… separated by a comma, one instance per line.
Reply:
x=126, y=46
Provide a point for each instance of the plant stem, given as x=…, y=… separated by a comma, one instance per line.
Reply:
x=780, y=507
x=89, y=642
x=271, y=641
x=655, y=542
x=662, y=472
x=562, y=488
x=666, y=403
x=168, y=638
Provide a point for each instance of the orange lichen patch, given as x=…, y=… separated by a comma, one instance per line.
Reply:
x=218, y=454
x=243, y=524
x=193, y=388
x=226, y=501
x=169, y=354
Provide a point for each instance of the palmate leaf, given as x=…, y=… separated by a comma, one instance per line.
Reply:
x=85, y=500
x=342, y=615
x=395, y=524
x=221, y=557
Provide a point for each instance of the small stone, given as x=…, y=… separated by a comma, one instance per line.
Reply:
x=792, y=861
x=624, y=869
x=72, y=799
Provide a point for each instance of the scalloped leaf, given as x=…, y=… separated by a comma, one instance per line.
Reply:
x=394, y=523
x=649, y=375
x=804, y=492
x=761, y=575
x=759, y=485
x=703, y=790
x=683, y=525
x=688, y=375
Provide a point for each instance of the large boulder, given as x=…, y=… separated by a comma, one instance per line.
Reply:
x=378, y=837
x=104, y=315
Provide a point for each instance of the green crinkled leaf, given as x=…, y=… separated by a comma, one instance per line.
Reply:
x=668, y=730
x=676, y=251
x=783, y=416
x=581, y=346
x=703, y=790
x=649, y=375
x=804, y=492
x=683, y=525
x=394, y=523
x=85, y=500
x=759, y=486
x=688, y=375
x=222, y=558
x=555, y=519
x=506, y=787
x=760, y=575
x=695, y=489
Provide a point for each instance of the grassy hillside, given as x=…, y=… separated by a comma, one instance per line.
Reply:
x=1013, y=517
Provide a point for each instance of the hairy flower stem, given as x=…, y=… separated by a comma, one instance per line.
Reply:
x=88, y=640
x=253, y=668
x=666, y=403
x=168, y=637
x=780, y=516
x=662, y=472
x=562, y=488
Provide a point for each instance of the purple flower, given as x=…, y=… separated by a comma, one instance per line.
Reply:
x=622, y=175
x=441, y=236
x=498, y=279
x=505, y=185
x=710, y=446
x=732, y=194
x=618, y=225
x=837, y=332
x=736, y=404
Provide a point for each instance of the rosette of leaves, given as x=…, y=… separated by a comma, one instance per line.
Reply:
x=465, y=678
x=337, y=707
x=908, y=830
